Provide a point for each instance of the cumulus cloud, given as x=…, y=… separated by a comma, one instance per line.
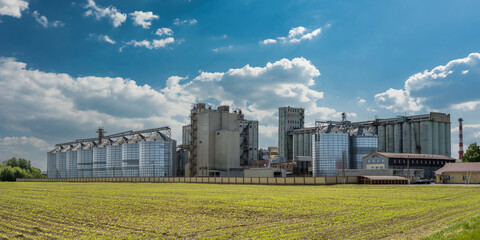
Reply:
x=42, y=20
x=30, y=148
x=154, y=44
x=164, y=31
x=178, y=22
x=454, y=85
x=57, y=107
x=361, y=100
x=143, y=19
x=295, y=35
x=13, y=8
x=111, y=12
x=101, y=38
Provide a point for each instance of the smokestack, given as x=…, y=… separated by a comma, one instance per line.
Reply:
x=460, y=136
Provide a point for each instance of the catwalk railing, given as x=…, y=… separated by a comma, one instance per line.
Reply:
x=214, y=180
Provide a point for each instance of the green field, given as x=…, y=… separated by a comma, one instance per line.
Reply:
x=178, y=210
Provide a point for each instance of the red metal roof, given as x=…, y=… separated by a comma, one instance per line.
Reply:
x=459, y=167
x=411, y=155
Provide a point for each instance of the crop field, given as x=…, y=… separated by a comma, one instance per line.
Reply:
x=181, y=210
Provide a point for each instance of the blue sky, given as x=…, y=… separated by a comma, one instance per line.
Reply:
x=68, y=67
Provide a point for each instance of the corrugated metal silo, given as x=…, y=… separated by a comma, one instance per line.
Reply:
x=157, y=156
x=100, y=159
x=435, y=138
x=441, y=138
x=426, y=137
x=407, y=137
x=62, y=163
x=331, y=154
x=361, y=146
x=114, y=158
x=416, y=146
x=72, y=168
x=85, y=161
x=130, y=157
x=52, y=164
x=397, y=138
x=390, y=138
x=381, y=138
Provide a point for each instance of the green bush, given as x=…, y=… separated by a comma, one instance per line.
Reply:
x=15, y=168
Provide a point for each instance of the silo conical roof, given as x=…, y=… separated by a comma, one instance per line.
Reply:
x=156, y=136
x=77, y=147
x=105, y=143
x=135, y=139
x=120, y=141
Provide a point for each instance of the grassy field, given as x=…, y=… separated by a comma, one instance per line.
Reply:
x=177, y=210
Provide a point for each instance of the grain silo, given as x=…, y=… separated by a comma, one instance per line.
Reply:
x=130, y=156
x=114, y=158
x=61, y=159
x=85, y=161
x=100, y=159
x=157, y=156
x=72, y=171
x=52, y=163
x=330, y=153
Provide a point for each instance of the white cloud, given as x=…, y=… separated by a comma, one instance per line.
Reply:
x=13, y=8
x=30, y=148
x=143, y=19
x=154, y=44
x=110, y=12
x=222, y=49
x=101, y=38
x=42, y=20
x=268, y=41
x=361, y=100
x=57, y=107
x=295, y=35
x=164, y=31
x=178, y=22
x=454, y=85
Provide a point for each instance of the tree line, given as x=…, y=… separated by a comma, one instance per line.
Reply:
x=14, y=168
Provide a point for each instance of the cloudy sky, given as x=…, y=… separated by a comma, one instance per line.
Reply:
x=67, y=67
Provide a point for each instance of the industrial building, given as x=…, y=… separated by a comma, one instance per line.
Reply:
x=429, y=163
x=459, y=173
x=419, y=134
x=289, y=118
x=146, y=153
x=220, y=141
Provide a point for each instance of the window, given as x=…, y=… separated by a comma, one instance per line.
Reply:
x=395, y=161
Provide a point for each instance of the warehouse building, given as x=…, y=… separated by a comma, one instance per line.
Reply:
x=146, y=153
x=429, y=163
x=459, y=173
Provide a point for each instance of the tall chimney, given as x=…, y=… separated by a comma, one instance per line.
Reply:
x=460, y=136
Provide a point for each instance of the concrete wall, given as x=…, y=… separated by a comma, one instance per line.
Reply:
x=227, y=150
x=259, y=172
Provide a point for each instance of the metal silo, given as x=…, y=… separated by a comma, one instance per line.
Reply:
x=448, y=146
x=62, y=163
x=300, y=144
x=441, y=138
x=407, y=138
x=100, y=159
x=397, y=138
x=435, y=138
x=52, y=164
x=390, y=138
x=295, y=145
x=426, y=137
x=381, y=138
x=306, y=144
x=331, y=153
x=72, y=168
x=114, y=158
x=85, y=161
x=360, y=146
x=157, y=156
x=130, y=157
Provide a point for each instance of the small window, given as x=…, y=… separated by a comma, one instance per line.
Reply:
x=218, y=133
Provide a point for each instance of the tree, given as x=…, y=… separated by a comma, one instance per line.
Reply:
x=14, y=168
x=472, y=154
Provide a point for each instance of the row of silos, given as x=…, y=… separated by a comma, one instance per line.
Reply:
x=422, y=137
x=138, y=156
x=302, y=144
